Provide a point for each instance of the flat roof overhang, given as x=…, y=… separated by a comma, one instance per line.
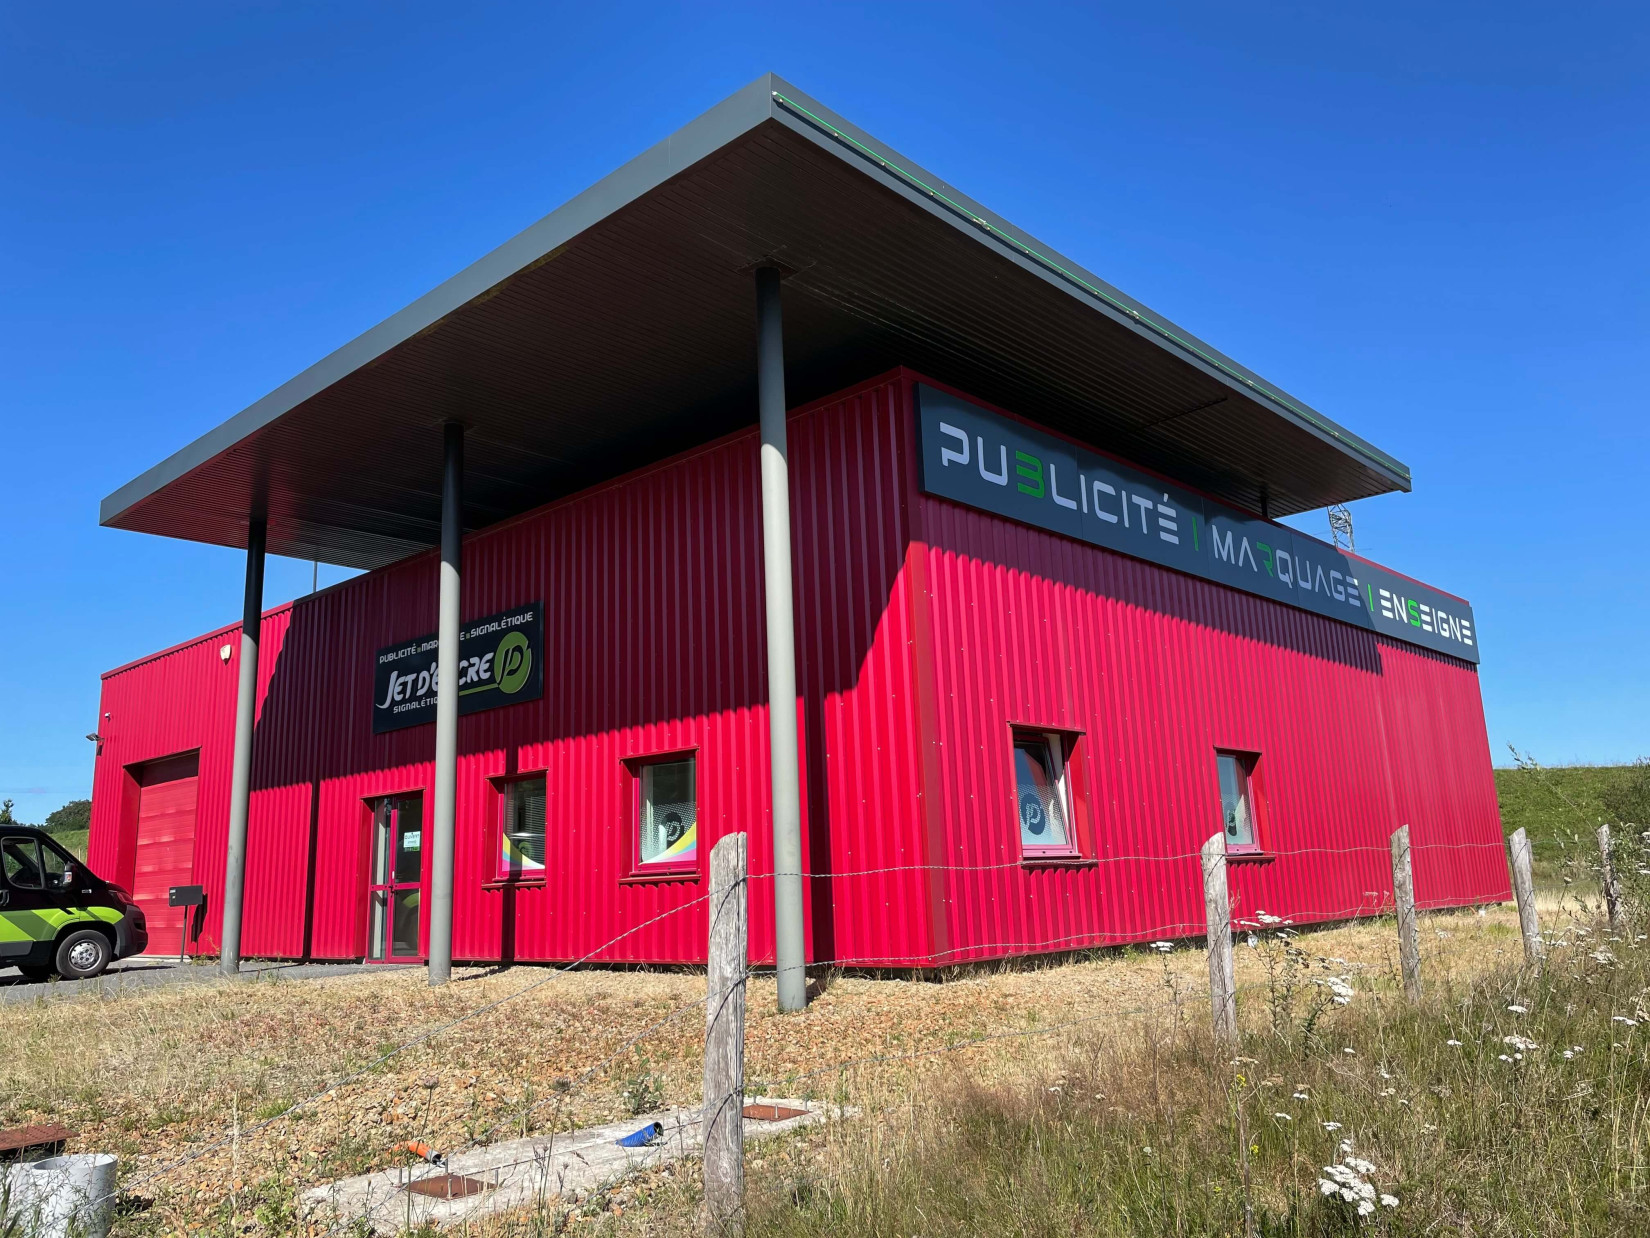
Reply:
x=620, y=329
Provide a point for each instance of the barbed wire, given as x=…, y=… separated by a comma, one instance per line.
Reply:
x=1077, y=861
x=978, y=951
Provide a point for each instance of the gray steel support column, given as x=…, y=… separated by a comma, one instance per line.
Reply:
x=240, y=784
x=789, y=949
x=444, y=809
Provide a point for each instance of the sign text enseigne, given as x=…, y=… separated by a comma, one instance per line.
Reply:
x=987, y=461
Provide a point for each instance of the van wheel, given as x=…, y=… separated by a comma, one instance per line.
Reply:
x=82, y=954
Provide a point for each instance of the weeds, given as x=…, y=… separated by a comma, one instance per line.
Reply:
x=1508, y=1103
x=642, y=1090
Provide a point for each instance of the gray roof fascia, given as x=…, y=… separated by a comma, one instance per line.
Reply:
x=910, y=180
x=703, y=136
x=768, y=97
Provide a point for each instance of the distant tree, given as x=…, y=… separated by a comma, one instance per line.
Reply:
x=74, y=816
x=5, y=813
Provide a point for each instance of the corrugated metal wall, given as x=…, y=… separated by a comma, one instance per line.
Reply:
x=924, y=631
x=1156, y=670
x=654, y=642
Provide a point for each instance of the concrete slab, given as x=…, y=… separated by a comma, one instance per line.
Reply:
x=525, y=1173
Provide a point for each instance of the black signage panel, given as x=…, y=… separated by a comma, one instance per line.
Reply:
x=500, y=662
x=974, y=456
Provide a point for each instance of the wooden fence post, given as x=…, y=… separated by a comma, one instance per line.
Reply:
x=1403, y=895
x=727, y=964
x=1217, y=911
x=1523, y=879
x=1607, y=877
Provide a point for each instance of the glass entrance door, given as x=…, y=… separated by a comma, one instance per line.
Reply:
x=396, y=890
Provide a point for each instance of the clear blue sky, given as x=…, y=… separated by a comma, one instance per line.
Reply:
x=1433, y=228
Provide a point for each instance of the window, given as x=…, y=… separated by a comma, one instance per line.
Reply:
x=1043, y=795
x=55, y=866
x=20, y=858
x=668, y=824
x=1237, y=800
x=521, y=840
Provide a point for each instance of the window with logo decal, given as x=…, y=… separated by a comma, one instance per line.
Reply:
x=1240, y=803
x=1043, y=795
x=667, y=815
x=521, y=836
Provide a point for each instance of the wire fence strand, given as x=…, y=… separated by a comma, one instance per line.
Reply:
x=1377, y=906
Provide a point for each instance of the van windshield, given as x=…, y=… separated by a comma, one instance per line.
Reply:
x=56, y=866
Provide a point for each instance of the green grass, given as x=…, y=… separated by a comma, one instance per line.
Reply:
x=1558, y=805
x=1511, y=1104
x=74, y=841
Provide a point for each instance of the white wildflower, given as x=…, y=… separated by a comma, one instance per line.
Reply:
x=1332, y=1126
x=1283, y=1117
x=1455, y=1043
x=1503, y=1057
x=1518, y=1009
x=1621, y=1018
x=1163, y=947
x=1349, y=1181
x=1300, y=1096
x=1349, y=1050
x=1520, y=1042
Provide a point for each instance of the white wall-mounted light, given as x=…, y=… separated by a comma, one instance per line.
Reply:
x=225, y=651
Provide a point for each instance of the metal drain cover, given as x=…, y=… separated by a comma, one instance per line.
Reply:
x=447, y=1186
x=772, y=1113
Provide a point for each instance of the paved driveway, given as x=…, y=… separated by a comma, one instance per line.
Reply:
x=143, y=971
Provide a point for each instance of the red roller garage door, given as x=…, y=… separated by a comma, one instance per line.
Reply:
x=165, y=844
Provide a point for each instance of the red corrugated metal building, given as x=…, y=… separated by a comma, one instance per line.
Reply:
x=1014, y=733
x=928, y=634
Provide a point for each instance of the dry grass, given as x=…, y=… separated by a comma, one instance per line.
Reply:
x=160, y=1074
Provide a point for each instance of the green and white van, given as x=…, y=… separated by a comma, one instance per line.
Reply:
x=56, y=915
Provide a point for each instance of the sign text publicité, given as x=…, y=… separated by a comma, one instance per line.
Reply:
x=996, y=464
x=500, y=662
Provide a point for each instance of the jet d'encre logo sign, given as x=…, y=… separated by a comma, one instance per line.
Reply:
x=500, y=662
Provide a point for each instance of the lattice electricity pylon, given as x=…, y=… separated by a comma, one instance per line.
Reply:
x=1340, y=526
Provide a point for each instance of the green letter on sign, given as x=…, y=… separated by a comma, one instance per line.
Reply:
x=1031, y=468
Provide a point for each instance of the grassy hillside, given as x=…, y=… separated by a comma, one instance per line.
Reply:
x=1561, y=807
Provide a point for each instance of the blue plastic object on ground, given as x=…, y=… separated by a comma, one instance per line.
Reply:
x=643, y=1137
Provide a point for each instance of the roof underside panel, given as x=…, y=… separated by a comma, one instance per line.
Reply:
x=634, y=338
